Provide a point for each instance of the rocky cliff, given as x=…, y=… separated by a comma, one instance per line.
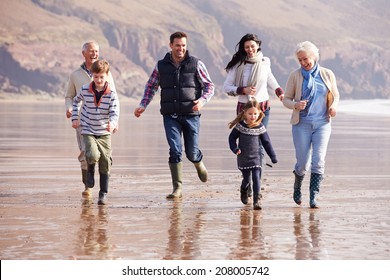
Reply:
x=40, y=40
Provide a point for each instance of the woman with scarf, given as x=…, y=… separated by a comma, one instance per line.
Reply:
x=249, y=76
x=312, y=94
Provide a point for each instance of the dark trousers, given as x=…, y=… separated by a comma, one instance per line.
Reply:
x=256, y=179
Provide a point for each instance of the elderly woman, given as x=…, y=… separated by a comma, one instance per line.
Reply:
x=311, y=92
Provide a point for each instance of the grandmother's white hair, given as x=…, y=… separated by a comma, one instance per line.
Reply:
x=309, y=48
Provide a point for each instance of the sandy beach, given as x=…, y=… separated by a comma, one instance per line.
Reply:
x=44, y=217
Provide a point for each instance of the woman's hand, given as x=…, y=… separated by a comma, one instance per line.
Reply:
x=300, y=105
x=332, y=112
x=249, y=90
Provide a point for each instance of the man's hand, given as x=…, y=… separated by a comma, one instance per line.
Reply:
x=198, y=105
x=69, y=113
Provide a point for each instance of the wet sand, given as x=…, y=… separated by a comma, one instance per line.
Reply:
x=43, y=215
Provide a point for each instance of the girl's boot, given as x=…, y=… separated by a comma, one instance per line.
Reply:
x=244, y=192
x=297, y=196
x=103, y=188
x=315, y=182
x=176, y=174
x=256, y=202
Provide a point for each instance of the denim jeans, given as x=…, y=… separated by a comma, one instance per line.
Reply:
x=188, y=126
x=311, y=144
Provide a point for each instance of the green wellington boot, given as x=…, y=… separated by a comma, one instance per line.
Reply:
x=202, y=171
x=176, y=174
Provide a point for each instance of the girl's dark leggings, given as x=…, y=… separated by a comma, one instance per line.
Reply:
x=256, y=176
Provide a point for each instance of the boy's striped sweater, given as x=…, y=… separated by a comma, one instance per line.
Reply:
x=94, y=116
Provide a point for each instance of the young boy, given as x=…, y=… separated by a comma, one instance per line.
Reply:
x=98, y=119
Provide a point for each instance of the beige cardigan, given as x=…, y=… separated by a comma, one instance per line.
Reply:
x=293, y=91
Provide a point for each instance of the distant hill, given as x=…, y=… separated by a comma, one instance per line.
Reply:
x=40, y=40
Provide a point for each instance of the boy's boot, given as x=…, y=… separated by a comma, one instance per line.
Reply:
x=315, y=181
x=103, y=189
x=176, y=174
x=87, y=191
x=90, y=182
x=256, y=202
x=244, y=192
x=297, y=196
x=202, y=171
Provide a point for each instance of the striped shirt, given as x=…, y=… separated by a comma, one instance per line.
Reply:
x=94, y=116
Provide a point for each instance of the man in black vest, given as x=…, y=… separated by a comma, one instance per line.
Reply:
x=185, y=88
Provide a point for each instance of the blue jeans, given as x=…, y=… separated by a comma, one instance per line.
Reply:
x=311, y=144
x=266, y=117
x=188, y=126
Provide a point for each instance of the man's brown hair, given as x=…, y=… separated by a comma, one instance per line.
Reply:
x=178, y=35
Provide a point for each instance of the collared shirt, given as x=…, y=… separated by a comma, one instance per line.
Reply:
x=84, y=67
x=153, y=84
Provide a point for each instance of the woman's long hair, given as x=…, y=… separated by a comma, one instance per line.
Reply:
x=250, y=104
x=240, y=55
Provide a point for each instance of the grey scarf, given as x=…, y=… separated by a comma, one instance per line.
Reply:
x=254, y=77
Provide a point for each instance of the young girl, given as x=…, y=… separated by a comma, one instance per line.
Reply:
x=249, y=131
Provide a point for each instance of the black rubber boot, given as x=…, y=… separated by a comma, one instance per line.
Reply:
x=103, y=188
x=244, y=193
x=90, y=182
x=256, y=202
x=297, y=196
x=315, y=182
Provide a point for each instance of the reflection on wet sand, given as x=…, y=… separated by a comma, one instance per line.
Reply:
x=42, y=216
x=308, y=240
x=183, y=234
x=251, y=244
x=93, y=242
